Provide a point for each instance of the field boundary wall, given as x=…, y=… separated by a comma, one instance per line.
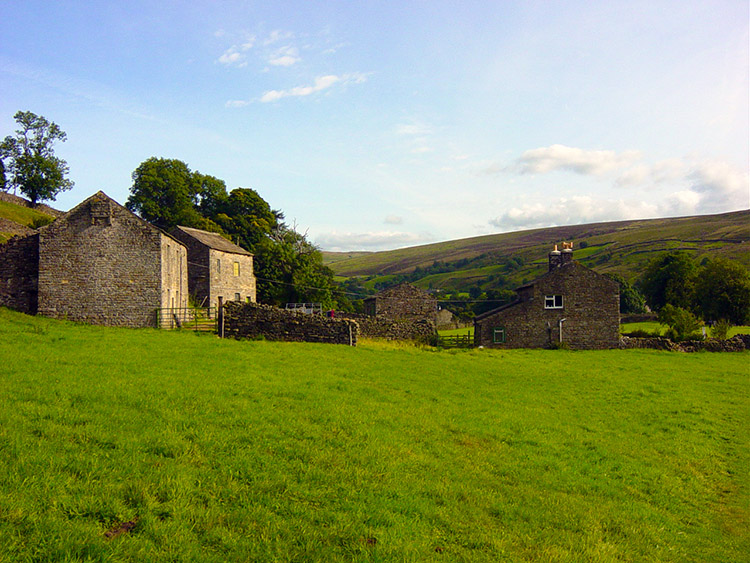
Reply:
x=738, y=343
x=253, y=320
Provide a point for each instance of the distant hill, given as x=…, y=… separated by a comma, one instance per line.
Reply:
x=621, y=247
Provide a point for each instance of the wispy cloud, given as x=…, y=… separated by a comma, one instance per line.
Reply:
x=571, y=211
x=393, y=220
x=321, y=83
x=379, y=240
x=277, y=35
x=236, y=55
x=285, y=56
x=581, y=161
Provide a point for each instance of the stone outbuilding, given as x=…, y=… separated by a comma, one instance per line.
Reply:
x=570, y=305
x=217, y=268
x=99, y=264
x=401, y=303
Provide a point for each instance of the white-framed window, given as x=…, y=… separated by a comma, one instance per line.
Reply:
x=553, y=301
x=498, y=335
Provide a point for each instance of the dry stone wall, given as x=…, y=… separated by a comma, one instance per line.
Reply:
x=422, y=330
x=737, y=343
x=253, y=320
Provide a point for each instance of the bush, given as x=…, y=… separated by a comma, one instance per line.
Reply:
x=720, y=330
x=683, y=325
x=42, y=221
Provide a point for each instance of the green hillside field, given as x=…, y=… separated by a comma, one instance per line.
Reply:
x=139, y=445
x=623, y=248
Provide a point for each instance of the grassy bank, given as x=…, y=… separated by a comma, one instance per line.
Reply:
x=257, y=451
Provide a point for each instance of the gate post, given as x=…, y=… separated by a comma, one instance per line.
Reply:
x=220, y=319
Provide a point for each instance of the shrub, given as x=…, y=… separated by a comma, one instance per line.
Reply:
x=683, y=325
x=42, y=221
x=720, y=330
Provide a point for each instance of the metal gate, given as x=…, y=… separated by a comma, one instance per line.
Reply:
x=201, y=319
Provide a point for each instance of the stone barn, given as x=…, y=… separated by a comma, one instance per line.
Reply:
x=99, y=264
x=569, y=305
x=402, y=302
x=217, y=268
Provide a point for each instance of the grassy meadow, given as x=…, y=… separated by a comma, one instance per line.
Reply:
x=139, y=445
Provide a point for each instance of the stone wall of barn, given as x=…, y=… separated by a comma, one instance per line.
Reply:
x=589, y=313
x=253, y=320
x=402, y=302
x=19, y=273
x=232, y=277
x=101, y=264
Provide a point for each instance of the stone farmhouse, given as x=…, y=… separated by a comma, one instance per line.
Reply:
x=401, y=303
x=570, y=305
x=99, y=264
x=217, y=268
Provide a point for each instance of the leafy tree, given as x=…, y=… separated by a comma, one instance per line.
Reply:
x=290, y=270
x=164, y=193
x=722, y=291
x=2, y=176
x=631, y=300
x=246, y=217
x=683, y=325
x=669, y=279
x=30, y=161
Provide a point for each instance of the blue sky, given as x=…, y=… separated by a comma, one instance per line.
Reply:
x=377, y=125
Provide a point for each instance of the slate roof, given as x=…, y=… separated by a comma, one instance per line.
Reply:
x=214, y=240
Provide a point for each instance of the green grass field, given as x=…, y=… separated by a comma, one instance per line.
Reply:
x=257, y=451
x=22, y=215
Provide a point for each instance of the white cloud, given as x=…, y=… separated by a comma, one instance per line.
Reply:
x=720, y=186
x=581, y=161
x=235, y=55
x=285, y=56
x=572, y=211
x=321, y=83
x=413, y=129
x=379, y=240
x=393, y=220
x=276, y=36
x=236, y=103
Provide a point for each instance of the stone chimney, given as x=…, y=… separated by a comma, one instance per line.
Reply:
x=567, y=253
x=559, y=258
x=555, y=259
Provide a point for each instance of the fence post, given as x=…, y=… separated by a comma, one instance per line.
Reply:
x=220, y=319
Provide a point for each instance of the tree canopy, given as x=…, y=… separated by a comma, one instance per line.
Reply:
x=669, y=279
x=167, y=193
x=722, y=291
x=29, y=161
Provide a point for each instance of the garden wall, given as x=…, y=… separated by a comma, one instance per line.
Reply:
x=253, y=320
x=737, y=343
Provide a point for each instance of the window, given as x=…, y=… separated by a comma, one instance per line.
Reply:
x=237, y=297
x=553, y=302
x=236, y=268
x=218, y=266
x=498, y=335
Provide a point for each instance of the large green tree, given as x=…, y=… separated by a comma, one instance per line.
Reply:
x=290, y=270
x=167, y=193
x=246, y=217
x=631, y=300
x=669, y=279
x=29, y=160
x=722, y=291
